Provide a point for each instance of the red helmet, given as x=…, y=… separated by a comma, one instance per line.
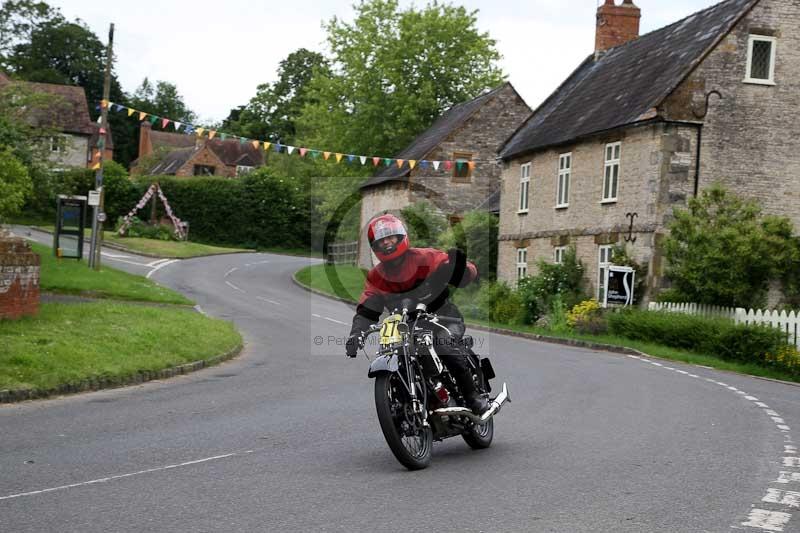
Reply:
x=387, y=226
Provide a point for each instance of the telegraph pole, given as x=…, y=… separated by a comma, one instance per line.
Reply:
x=99, y=215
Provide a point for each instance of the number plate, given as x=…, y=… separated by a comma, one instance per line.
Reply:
x=389, y=332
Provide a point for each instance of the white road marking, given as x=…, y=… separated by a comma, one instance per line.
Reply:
x=115, y=256
x=273, y=302
x=231, y=271
x=200, y=310
x=788, y=477
x=112, y=478
x=770, y=412
x=784, y=427
x=336, y=321
x=234, y=287
x=655, y=364
x=693, y=375
x=162, y=265
x=156, y=262
x=788, y=448
x=791, y=461
x=767, y=520
x=782, y=497
x=751, y=398
x=762, y=405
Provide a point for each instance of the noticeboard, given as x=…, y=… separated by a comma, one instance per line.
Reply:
x=619, y=285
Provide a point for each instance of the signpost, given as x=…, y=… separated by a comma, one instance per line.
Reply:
x=619, y=285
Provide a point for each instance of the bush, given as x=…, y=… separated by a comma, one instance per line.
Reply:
x=582, y=311
x=137, y=228
x=476, y=234
x=500, y=303
x=565, y=279
x=722, y=338
x=424, y=224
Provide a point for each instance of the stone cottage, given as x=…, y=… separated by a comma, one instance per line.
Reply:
x=65, y=112
x=469, y=134
x=187, y=155
x=643, y=124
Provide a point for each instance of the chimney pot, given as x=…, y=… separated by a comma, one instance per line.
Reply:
x=616, y=25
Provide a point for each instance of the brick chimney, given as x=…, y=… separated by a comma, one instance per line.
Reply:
x=145, y=145
x=616, y=25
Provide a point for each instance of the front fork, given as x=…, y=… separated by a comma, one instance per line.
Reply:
x=417, y=404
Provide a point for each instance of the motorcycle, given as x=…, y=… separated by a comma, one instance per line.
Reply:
x=416, y=398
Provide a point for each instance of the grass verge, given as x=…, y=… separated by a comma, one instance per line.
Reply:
x=68, y=276
x=67, y=343
x=352, y=283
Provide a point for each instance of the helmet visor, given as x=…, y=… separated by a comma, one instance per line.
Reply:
x=385, y=228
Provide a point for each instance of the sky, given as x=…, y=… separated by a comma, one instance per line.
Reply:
x=217, y=53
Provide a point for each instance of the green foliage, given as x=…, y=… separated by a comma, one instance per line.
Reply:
x=424, y=223
x=393, y=72
x=719, y=337
x=15, y=184
x=477, y=235
x=163, y=100
x=564, y=279
x=137, y=228
x=722, y=251
x=271, y=114
x=582, y=312
x=557, y=315
x=499, y=302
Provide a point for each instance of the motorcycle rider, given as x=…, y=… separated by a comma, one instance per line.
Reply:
x=419, y=273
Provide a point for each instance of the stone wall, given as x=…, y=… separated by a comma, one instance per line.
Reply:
x=374, y=201
x=19, y=278
x=751, y=136
x=74, y=152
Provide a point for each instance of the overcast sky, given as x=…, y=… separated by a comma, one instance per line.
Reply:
x=218, y=52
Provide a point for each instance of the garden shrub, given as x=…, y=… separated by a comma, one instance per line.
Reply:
x=424, y=223
x=537, y=292
x=476, y=234
x=500, y=302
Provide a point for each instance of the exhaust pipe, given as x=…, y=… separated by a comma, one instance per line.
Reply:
x=494, y=408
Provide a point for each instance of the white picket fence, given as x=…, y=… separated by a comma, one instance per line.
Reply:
x=712, y=311
x=789, y=323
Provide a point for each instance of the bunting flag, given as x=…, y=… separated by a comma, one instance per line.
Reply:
x=351, y=158
x=100, y=119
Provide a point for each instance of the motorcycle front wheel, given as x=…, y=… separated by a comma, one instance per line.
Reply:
x=410, y=441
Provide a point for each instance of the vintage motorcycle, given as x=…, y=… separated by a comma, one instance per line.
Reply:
x=416, y=398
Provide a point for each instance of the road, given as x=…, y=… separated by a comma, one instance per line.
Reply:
x=285, y=437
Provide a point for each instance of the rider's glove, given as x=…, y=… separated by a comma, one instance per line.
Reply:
x=352, y=345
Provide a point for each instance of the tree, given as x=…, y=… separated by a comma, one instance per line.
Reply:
x=15, y=184
x=271, y=114
x=19, y=20
x=163, y=100
x=722, y=251
x=393, y=72
x=476, y=234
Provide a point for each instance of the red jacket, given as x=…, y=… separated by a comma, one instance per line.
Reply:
x=387, y=284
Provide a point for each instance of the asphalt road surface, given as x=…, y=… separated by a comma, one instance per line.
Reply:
x=285, y=437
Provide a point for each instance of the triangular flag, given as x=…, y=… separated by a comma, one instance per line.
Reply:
x=289, y=149
x=412, y=163
x=223, y=136
x=423, y=164
x=387, y=162
x=471, y=165
x=375, y=161
x=400, y=163
x=351, y=158
x=100, y=119
x=242, y=140
x=164, y=122
x=303, y=152
x=103, y=103
x=211, y=134
x=339, y=158
x=436, y=165
x=448, y=165
x=177, y=125
x=153, y=119
x=278, y=147
x=326, y=155
x=102, y=131
x=118, y=108
x=142, y=115
x=315, y=153
x=459, y=164
x=200, y=131
x=96, y=166
x=266, y=145
x=131, y=111
x=256, y=144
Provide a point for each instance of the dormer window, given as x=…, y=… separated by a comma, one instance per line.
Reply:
x=761, y=60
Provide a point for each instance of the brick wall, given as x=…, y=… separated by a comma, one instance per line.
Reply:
x=206, y=157
x=19, y=278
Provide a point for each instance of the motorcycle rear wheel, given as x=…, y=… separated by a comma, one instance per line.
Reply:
x=479, y=437
x=393, y=406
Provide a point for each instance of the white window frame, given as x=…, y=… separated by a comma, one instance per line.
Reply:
x=241, y=170
x=605, y=253
x=524, y=188
x=611, y=181
x=522, y=263
x=774, y=45
x=562, y=183
x=558, y=254
x=57, y=144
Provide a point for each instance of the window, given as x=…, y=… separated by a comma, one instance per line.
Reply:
x=611, y=174
x=204, y=170
x=604, y=259
x=524, y=187
x=57, y=144
x=241, y=170
x=761, y=60
x=522, y=263
x=564, y=171
x=558, y=254
x=462, y=170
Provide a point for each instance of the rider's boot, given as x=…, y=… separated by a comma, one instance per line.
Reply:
x=474, y=399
